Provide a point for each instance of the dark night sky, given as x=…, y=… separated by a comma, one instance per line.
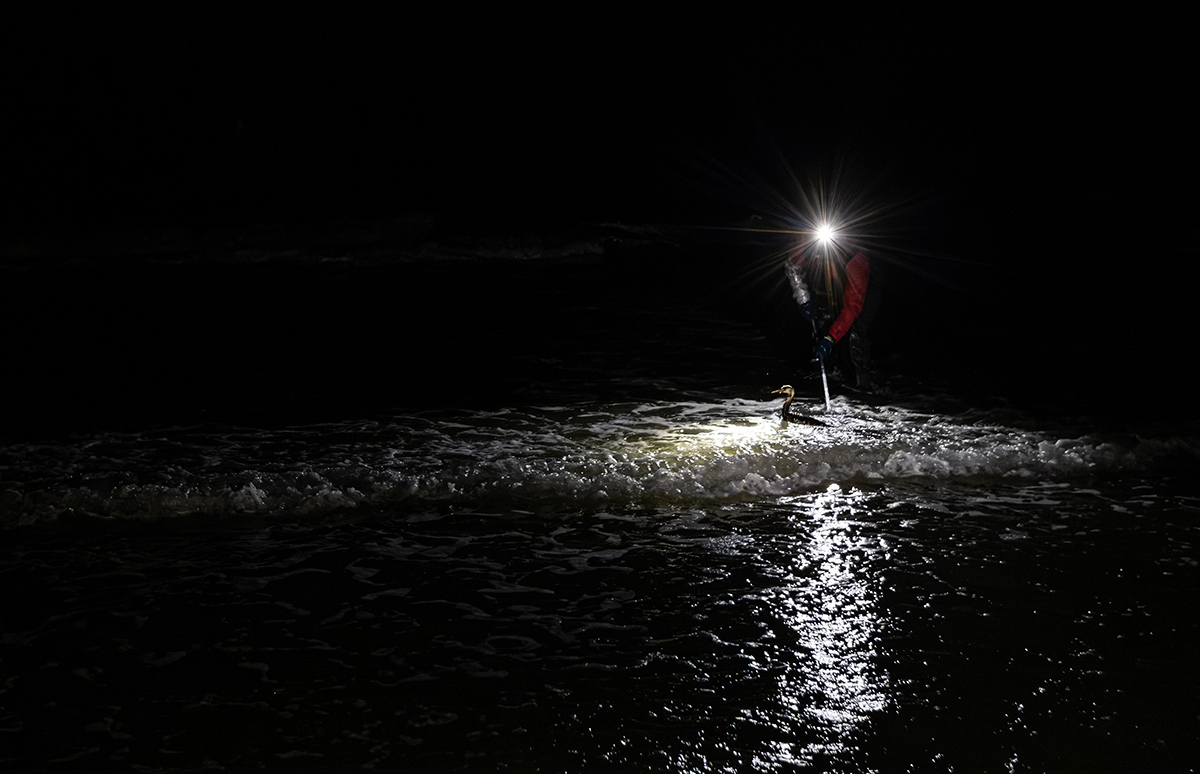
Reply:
x=1052, y=149
x=195, y=115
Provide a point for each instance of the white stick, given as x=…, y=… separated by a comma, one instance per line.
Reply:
x=825, y=383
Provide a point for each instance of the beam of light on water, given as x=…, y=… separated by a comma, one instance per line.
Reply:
x=829, y=684
x=838, y=621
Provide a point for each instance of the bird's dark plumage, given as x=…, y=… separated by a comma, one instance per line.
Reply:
x=788, y=415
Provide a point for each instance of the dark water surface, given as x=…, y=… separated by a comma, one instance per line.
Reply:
x=922, y=627
x=558, y=526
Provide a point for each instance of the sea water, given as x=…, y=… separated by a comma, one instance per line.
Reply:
x=584, y=540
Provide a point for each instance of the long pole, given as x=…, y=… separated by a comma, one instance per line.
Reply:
x=824, y=383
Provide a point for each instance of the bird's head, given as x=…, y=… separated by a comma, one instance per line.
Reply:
x=785, y=390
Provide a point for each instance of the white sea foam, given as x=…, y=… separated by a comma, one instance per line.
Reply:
x=593, y=453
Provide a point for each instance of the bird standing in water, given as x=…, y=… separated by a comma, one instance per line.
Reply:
x=788, y=416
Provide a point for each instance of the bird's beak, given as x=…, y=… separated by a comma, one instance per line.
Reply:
x=775, y=391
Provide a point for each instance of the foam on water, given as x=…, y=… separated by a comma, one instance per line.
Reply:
x=588, y=453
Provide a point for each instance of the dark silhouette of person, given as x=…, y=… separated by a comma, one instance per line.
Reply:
x=831, y=281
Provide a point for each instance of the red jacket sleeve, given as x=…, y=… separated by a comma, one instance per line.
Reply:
x=858, y=274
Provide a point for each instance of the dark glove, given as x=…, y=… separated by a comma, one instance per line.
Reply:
x=823, y=347
x=806, y=309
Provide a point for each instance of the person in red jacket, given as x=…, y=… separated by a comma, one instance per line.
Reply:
x=831, y=281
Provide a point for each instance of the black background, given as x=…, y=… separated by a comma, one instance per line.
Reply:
x=1044, y=162
x=578, y=114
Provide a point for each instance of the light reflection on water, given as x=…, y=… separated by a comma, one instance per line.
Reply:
x=833, y=608
x=824, y=631
x=815, y=679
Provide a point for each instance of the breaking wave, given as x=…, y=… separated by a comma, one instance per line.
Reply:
x=562, y=456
